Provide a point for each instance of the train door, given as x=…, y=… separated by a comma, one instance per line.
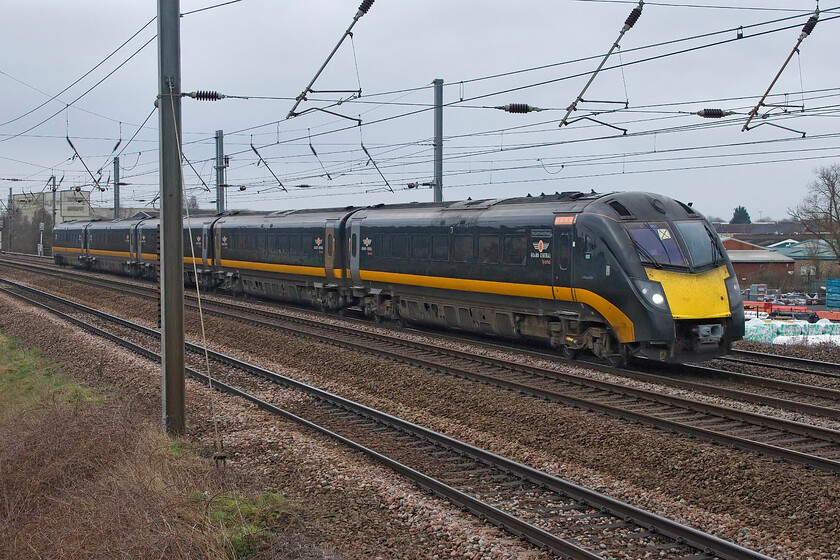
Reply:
x=331, y=259
x=85, y=240
x=133, y=242
x=353, y=250
x=564, y=242
x=216, y=232
x=207, y=245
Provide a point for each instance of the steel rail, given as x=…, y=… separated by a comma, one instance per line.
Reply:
x=682, y=534
x=821, y=434
x=752, y=356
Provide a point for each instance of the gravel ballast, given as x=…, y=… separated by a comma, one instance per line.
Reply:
x=784, y=510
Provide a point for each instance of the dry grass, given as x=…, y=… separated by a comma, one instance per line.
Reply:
x=83, y=478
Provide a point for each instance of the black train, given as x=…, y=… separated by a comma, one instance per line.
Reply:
x=619, y=274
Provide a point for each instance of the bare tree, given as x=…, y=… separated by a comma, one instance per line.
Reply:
x=819, y=211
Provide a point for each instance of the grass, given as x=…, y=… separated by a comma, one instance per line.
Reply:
x=249, y=524
x=82, y=477
x=27, y=380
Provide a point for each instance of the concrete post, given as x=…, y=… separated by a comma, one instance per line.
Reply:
x=438, y=189
x=171, y=204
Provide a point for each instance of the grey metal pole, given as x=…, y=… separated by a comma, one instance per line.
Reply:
x=438, y=189
x=220, y=171
x=53, y=197
x=117, y=188
x=171, y=204
x=11, y=219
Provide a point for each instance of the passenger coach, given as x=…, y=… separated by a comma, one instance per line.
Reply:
x=620, y=274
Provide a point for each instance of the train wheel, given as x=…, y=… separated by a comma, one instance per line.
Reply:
x=570, y=353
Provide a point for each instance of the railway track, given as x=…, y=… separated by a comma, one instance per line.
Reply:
x=789, y=363
x=570, y=520
x=802, y=443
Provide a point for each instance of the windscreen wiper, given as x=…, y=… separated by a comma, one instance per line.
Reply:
x=715, y=251
x=646, y=254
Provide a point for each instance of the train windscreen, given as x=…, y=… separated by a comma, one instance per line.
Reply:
x=655, y=243
x=701, y=243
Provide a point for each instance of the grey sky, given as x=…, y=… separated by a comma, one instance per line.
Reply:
x=273, y=48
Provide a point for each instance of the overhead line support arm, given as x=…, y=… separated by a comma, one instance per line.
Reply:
x=630, y=22
x=363, y=9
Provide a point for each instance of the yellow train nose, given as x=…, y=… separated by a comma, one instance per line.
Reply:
x=694, y=296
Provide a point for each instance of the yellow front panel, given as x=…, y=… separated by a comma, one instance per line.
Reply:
x=694, y=296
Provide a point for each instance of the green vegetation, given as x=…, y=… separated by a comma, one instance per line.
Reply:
x=247, y=522
x=82, y=476
x=27, y=380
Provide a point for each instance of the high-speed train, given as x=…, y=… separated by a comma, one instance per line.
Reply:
x=619, y=274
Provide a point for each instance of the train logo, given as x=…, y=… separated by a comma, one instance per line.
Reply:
x=541, y=246
x=319, y=245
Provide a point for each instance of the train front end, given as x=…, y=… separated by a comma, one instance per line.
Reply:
x=683, y=300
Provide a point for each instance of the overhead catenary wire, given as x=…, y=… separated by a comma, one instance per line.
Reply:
x=83, y=76
x=94, y=86
x=535, y=84
x=279, y=182
x=373, y=150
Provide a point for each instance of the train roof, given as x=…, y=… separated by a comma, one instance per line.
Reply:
x=615, y=205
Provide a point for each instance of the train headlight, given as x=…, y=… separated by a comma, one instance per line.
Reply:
x=652, y=292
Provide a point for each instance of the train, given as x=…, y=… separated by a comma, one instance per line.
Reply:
x=619, y=275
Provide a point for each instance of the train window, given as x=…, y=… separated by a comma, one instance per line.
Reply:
x=463, y=250
x=515, y=249
x=400, y=246
x=420, y=247
x=488, y=249
x=330, y=245
x=295, y=241
x=655, y=243
x=564, y=251
x=283, y=244
x=440, y=247
x=701, y=243
x=353, y=244
x=378, y=248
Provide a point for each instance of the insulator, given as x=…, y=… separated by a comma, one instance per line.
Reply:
x=365, y=6
x=810, y=25
x=518, y=108
x=206, y=95
x=713, y=113
x=633, y=17
x=241, y=187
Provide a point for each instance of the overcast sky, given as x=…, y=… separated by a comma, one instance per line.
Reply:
x=681, y=57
